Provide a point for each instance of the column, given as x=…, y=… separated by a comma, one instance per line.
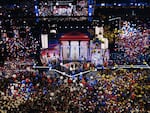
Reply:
x=88, y=52
x=79, y=50
x=61, y=52
x=70, y=50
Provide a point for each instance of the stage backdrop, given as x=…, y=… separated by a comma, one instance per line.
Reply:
x=74, y=45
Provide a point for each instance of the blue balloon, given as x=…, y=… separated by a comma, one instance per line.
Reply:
x=80, y=77
x=31, y=84
x=28, y=90
x=23, y=82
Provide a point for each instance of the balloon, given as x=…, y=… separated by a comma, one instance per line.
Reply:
x=27, y=80
x=14, y=75
x=23, y=82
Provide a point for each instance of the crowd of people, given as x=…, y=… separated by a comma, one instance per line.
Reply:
x=133, y=44
x=17, y=42
x=48, y=8
x=96, y=92
x=24, y=89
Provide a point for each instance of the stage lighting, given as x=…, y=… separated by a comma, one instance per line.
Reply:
x=119, y=5
x=45, y=3
x=135, y=4
x=102, y=4
x=57, y=3
x=90, y=14
x=61, y=63
x=90, y=6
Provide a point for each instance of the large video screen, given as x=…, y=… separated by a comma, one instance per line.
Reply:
x=62, y=8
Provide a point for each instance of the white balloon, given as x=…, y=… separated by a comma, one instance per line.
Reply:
x=48, y=76
x=52, y=94
x=74, y=81
x=81, y=84
x=91, y=77
x=14, y=76
x=61, y=77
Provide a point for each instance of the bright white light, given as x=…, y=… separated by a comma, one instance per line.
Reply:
x=90, y=6
x=119, y=4
x=70, y=4
x=139, y=4
x=91, y=77
x=45, y=3
x=57, y=3
x=90, y=14
x=131, y=3
x=102, y=4
x=36, y=14
x=35, y=6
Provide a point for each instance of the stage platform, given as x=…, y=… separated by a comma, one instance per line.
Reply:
x=66, y=71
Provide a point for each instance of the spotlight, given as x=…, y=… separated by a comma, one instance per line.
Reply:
x=90, y=14
x=90, y=6
x=57, y=3
x=102, y=4
x=119, y=4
